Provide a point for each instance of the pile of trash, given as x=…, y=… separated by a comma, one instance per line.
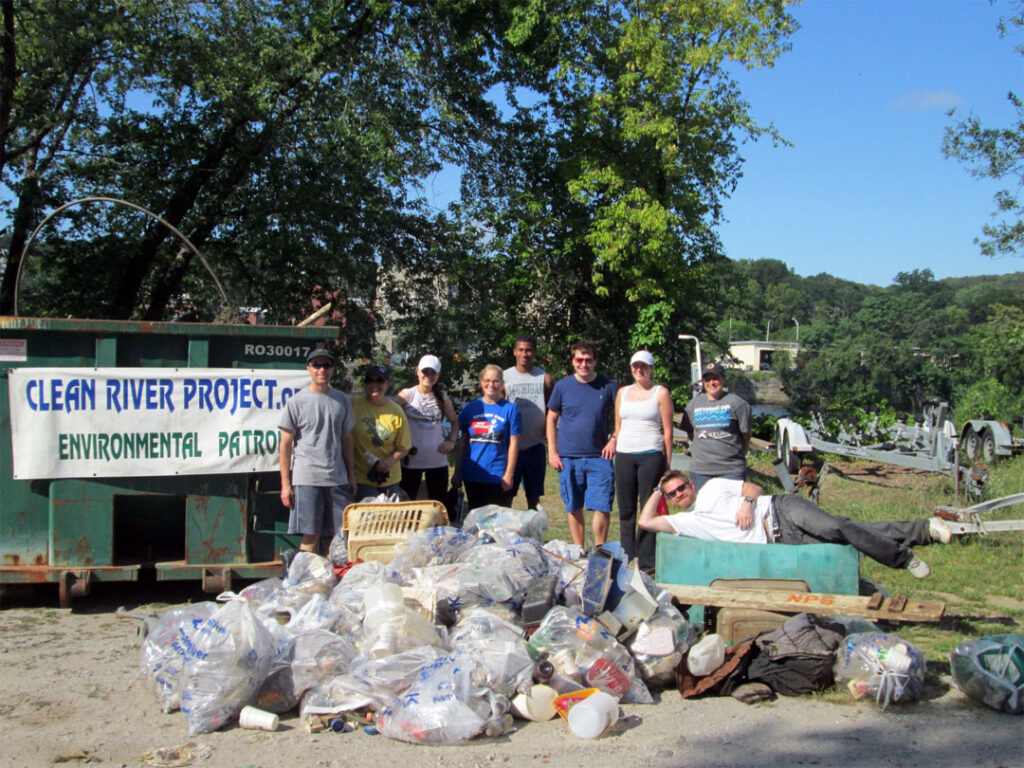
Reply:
x=466, y=629
x=461, y=630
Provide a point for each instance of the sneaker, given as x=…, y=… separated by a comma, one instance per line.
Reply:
x=939, y=531
x=918, y=568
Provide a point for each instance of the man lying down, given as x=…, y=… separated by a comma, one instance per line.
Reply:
x=735, y=510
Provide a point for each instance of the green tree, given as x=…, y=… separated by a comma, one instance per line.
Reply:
x=288, y=140
x=996, y=153
x=600, y=198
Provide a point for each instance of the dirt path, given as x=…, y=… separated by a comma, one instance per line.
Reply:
x=69, y=689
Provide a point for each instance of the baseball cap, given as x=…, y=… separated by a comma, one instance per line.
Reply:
x=319, y=352
x=429, y=361
x=714, y=369
x=643, y=356
x=377, y=370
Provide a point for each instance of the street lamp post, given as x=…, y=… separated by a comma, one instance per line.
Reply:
x=797, y=329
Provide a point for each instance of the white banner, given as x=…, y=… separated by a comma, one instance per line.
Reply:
x=121, y=422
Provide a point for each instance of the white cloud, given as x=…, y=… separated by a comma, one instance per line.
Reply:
x=925, y=101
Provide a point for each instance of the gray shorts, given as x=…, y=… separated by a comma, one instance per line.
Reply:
x=318, y=509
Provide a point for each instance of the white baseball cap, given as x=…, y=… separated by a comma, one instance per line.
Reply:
x=429, y=361
x=643, y=356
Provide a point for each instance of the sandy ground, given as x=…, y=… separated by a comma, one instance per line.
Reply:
x=70, y=694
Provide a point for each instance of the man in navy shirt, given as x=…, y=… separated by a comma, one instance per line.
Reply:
x=579, y=446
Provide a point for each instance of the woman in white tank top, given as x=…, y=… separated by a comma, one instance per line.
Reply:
x=643, y=447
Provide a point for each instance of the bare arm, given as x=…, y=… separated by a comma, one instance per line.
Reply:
x=551, y=428
x=348, y=456
x=549, y=384
x=510, y=463
x=667, y=416
x=618, y=416
x=649, y=518
x=745, y=513
x=284, y=457
x=453, y=423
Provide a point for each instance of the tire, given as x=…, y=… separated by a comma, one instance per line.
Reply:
x=988, y=448
x=970, y=445
x=790, y=459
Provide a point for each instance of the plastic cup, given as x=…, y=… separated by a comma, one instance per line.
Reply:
x=538, y=705
x=258, y=719
x=591, y=717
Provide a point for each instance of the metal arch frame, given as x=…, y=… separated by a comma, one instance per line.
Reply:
x=100, y=199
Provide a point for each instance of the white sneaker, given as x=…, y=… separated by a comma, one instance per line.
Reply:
x=918, y=568
x=939, y=531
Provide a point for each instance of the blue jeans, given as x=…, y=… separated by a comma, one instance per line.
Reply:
x=888, y=542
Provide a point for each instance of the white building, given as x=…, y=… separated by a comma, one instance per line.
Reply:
x=759, y=355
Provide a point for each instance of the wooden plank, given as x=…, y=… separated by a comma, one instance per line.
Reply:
x=896, y=608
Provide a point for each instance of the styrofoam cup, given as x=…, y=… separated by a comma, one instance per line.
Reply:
x=591, y=717
x=538, y=705
x=260, y=719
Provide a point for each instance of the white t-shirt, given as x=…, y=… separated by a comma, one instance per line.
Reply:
x=713, y=517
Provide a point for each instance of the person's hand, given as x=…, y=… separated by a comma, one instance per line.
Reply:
x=608, y=452
x=353, y=487
x=506, y=482
x=384, y=465
x=745, y=517
x=288, y=496
x=555, y=461
x=446, y=446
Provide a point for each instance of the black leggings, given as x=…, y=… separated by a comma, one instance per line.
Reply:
x=636, y=474
x=437, y=482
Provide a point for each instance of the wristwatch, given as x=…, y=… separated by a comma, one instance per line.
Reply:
x=751, y=499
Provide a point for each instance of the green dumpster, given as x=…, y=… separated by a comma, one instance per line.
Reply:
x=139, y=445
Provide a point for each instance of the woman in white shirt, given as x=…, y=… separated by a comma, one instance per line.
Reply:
x=643, y=447
x=427, y=407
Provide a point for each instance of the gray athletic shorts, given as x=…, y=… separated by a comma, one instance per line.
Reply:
x=318, y=509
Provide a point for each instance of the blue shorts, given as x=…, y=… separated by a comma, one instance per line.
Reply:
x=530, y=468
x=587, y=483
x=318, y=509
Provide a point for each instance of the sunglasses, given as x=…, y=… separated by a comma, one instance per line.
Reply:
x=676, y=491
x=584, y=360
x=375, y=380
x=318, y=366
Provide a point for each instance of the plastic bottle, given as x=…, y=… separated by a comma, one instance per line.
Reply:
x=499, y=726
x=706, y=656
x=594, y=715
x=544, y=673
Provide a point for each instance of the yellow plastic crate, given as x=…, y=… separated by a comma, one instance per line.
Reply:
x=374, y=531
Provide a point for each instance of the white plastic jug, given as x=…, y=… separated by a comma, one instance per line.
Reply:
x=591, y=717
x=706, y=656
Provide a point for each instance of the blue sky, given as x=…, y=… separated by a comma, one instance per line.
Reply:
x=865, y=192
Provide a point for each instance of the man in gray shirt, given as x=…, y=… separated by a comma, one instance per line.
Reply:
x=718, y=424
x=529, y=388
x=316, y=459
